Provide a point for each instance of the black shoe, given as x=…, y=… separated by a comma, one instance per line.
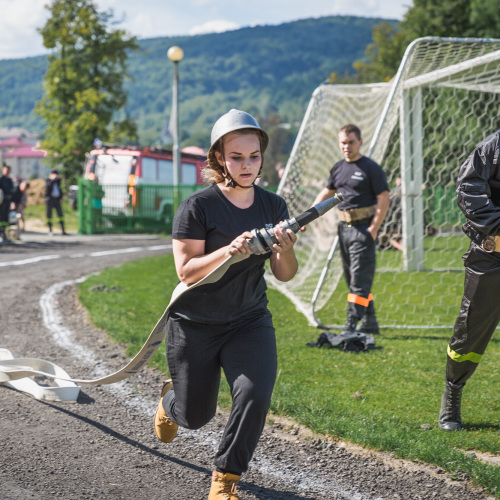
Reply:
x=350, y=325
x=368, y=325
x=449, y=416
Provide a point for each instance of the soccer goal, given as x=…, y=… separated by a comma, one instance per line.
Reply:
x=421, y=126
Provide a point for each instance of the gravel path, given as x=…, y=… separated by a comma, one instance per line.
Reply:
x=104, y=447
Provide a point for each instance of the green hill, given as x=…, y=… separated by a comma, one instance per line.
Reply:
x=266, y=70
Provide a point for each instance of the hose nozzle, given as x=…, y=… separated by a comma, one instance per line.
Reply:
x=264, y=239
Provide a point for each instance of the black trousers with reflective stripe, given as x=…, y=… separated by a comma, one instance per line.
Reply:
x=479, y=312
x=246, y=351
x=4, y=215
x=357, y=249
x=53, y=204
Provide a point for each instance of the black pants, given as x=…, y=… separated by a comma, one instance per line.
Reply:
x=246, y=351
x=357, y=249
x=479, y=314
x=4, y=215
x=54, y=204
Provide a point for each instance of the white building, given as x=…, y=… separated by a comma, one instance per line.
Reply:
x=25, y=161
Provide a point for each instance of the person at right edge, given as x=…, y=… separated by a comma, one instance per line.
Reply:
x=478, y=196
x=364, y=186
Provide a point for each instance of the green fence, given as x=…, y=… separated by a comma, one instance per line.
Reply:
x=116, y=209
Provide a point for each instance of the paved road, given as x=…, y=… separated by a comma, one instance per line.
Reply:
x=103, y=447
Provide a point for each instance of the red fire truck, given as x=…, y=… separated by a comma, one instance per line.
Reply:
x=121, y=170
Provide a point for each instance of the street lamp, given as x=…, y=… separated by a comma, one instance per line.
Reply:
x=175, y=54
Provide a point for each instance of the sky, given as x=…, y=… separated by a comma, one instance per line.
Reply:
x=19, y=19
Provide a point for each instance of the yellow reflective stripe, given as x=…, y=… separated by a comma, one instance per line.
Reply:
x=471, y=356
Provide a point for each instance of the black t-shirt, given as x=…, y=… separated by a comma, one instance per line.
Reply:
x=360, y=182
x=208, y=215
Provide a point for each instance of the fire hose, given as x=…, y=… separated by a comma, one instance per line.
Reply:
x=18, y=372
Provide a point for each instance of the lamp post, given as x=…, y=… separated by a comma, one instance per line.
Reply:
x=175, y=54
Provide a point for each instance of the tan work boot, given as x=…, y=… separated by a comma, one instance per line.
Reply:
x=165, y=429
x=223, y=486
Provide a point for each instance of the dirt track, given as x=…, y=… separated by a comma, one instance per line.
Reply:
x=104, y=447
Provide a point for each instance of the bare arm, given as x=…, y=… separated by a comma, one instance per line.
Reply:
x=383, y=201
x=323, y=195
x=284, y=264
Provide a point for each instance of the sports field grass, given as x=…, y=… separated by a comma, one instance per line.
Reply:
x=385, y=399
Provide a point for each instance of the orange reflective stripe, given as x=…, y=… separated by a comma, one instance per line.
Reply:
x=370, y=297
x=358, y=300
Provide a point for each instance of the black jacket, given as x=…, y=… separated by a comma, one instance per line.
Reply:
x=478, y=190
x=7, y=186
x=49, y=183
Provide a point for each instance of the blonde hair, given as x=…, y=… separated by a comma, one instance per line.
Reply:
x=213, y=171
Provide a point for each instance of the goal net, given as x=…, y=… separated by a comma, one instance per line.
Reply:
x=420, y=127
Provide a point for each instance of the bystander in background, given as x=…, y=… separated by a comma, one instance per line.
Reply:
x=364, y=187
x=53, y=198
x=7, y=189
x=20, y=200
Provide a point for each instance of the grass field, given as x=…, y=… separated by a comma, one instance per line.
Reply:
x=385, y=399
x=70, y=216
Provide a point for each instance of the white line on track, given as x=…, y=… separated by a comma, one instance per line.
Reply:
x=33, y=260
x=115, y=252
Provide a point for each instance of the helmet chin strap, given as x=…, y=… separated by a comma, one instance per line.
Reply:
x=230, y=182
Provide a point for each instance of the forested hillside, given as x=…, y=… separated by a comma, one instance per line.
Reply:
x=270, y=71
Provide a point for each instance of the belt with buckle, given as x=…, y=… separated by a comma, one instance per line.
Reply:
x=356, y=214
x=358, y=222
x=491, y=244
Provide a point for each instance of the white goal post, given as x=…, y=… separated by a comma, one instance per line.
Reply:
x=420, y=126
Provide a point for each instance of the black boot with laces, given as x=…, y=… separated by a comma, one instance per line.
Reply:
x=449, y=417
x=368, y=325
x=350, y=324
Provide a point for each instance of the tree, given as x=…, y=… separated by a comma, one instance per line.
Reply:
x=83, y=86
x=441, y=18
x=485, y=17
x=384, y=55
x=280, y=142
x=444, y=18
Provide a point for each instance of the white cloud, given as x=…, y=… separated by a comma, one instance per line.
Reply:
x=18, y=27
x=153, y=18
x=215, y=26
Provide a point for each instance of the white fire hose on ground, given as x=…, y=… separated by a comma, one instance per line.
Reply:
x=20, y=373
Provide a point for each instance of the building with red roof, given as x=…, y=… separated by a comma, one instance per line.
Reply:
x=26, y=162
x=12, y=143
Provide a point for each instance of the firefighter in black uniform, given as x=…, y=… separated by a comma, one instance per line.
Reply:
x=364, y=186
x=7, y=187
x=478, y=196
x=53, y=198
